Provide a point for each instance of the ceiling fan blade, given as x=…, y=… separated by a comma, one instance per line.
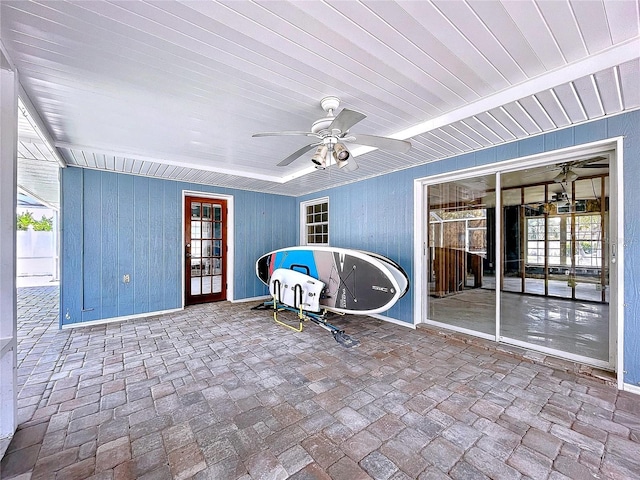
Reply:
x=384, y=143
x=346, y=119
x=272, y=134
x=351, y=165
x=295, y=155
x=589, y=163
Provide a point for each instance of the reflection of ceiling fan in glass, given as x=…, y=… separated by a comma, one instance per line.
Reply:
x=567, y=173
x=332, y=133
x=561, y=199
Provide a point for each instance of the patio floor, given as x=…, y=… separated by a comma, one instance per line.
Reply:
x=218, y=391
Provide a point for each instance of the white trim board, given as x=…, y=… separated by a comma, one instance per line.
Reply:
x=261, y=298
x=616, y=230
x=104, y=321
x=393, y=320
x=627, y=387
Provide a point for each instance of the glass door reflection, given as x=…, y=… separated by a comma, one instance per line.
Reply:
x=461, y=264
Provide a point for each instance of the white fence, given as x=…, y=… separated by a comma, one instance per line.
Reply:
x=36, y=253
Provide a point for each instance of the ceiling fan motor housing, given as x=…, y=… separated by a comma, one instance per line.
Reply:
x=330, y=104
x=322, y=126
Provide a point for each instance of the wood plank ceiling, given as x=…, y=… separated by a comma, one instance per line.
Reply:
x=176, y=89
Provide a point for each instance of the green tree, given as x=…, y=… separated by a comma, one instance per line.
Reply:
x=23, y=220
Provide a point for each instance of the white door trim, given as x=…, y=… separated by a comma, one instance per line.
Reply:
x=229, y=256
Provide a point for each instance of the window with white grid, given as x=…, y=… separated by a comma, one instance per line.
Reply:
x=315, y=222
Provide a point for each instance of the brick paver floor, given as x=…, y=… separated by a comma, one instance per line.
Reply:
x=219, y=391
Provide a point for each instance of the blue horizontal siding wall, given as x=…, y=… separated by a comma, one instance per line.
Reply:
x=116, y=224
x=377, y=214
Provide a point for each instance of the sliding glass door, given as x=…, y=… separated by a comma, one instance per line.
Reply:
x=555, y=285
x=521, y=256
x=461, y=265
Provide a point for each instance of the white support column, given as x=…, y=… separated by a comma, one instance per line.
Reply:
x=8, y=195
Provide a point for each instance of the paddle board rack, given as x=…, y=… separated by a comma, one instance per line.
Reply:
x=296, y=292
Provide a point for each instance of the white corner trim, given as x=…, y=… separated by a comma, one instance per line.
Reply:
x=251, y=299
x=393, y=320
x=627, y=387
x=104, y=321
x=419, y=250
x=618, y=310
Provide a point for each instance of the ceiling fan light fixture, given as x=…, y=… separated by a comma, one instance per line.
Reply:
x=340, y=163
x=341, y=152
x=320, y=157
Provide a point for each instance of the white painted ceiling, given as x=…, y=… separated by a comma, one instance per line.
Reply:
x=176, y=89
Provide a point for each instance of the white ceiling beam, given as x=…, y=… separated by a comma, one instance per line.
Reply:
x=173, y=160
x=544, y=111
x=559, y=105
x=609, y=58
x=22, y=189
x=616, y=74
x=597, y=92
x=33, y=117
x=579, y=101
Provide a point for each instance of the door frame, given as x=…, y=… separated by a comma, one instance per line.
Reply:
x=229, y=254
x=616, y=232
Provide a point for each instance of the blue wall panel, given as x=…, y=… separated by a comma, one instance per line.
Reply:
x=108, y=269
x=628, y=126
x=507, y=151
x=530, y=146
x=484, y=157
x=156, y=245
x=91, y=255
x=590, y=132
x=467, y=160
x=116, y=224
x=71, y=239
x=141, y=214
x=559, y=139
x=126, y=258
x=173, y=250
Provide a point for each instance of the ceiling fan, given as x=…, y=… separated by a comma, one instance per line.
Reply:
x=332, y=133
